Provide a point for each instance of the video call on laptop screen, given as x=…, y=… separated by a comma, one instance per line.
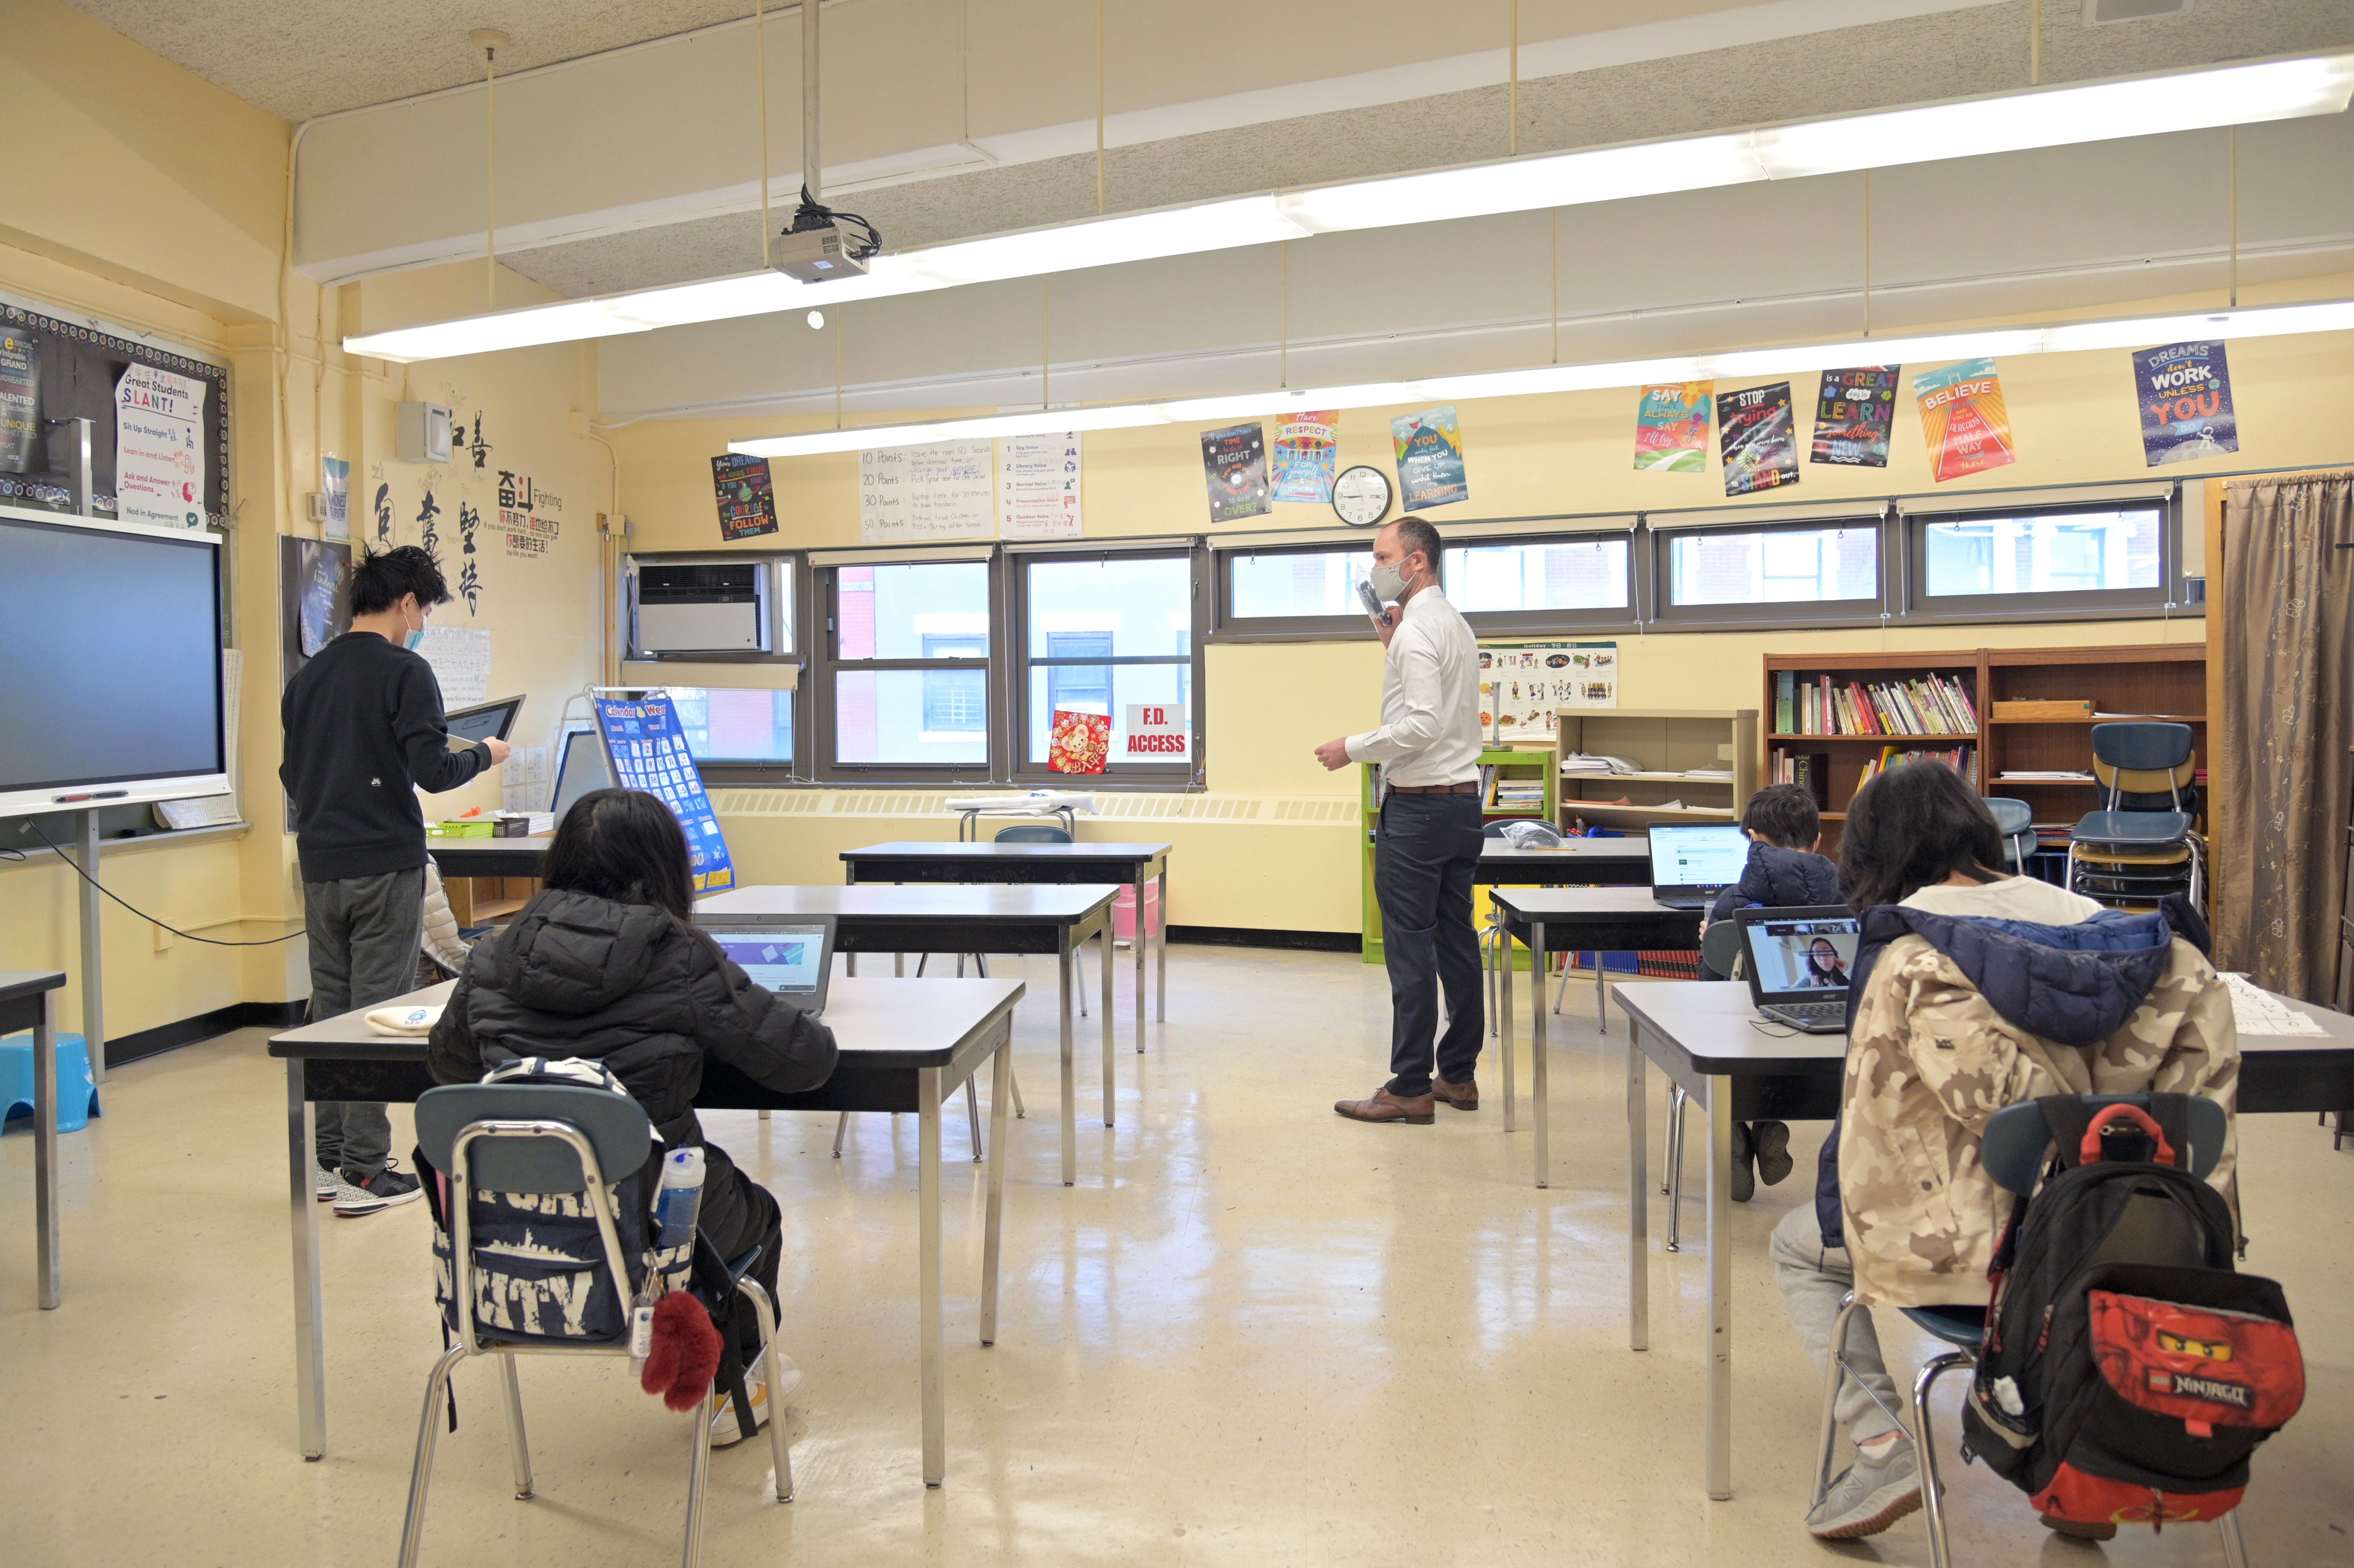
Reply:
x=1697, y=857
x=1803, y=955
x=780, y=958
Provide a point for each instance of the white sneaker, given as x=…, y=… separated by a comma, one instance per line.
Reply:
x=1868, y=1496
x=326, y=1183
x=725, y=1430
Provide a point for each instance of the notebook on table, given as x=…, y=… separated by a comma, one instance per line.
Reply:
x=792, y=956
x=1798, y=962
x=1690, y=866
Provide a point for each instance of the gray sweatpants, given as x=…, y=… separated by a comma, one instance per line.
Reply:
x=365, y=932
x=1814, y=1279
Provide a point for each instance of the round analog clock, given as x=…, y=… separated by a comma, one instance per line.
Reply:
x=1362, y=496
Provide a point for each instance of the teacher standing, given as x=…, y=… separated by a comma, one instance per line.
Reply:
x=1426, y=839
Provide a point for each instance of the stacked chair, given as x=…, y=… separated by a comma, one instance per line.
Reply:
x=2140, y=846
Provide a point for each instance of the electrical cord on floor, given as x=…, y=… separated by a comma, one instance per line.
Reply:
x=208, y=941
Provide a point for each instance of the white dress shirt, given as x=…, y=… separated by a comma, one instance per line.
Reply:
x=1430, y=698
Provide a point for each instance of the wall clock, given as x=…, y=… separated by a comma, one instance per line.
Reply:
x=1362, y=496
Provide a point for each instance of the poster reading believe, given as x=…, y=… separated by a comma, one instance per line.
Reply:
x=1671, y=426
x=1963, y=419
x=2186, y=403
x=1759, y=434
x=1430, y=459
x=1234, y=465
x=1854, y=410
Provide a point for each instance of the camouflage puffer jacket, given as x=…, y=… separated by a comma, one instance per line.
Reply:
x=1960, y=1017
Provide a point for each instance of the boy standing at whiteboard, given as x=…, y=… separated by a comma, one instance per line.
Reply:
x=364, y=733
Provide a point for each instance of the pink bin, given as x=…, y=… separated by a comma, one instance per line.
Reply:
x=1123, y=911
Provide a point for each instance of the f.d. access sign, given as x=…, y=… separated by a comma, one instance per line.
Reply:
x=1155, y=730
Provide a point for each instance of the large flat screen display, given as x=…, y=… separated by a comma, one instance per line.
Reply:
x=109, y=662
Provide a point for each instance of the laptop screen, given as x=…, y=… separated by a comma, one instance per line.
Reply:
x=1800, y=955
x=1712, y=856
x=487, y=721
x=785, y=956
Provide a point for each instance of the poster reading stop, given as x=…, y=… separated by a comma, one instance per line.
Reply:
x=1154, y=732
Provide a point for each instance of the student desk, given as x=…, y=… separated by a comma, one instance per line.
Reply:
x=960, y=918
x=1699, y=1035
x=1598, y=862
x=28, y=1000
x=1606, y=919
x=1135, y=864
x=464, y=860
x=906, y=1045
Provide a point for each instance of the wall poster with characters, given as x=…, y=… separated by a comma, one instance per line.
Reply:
x=1523, y=684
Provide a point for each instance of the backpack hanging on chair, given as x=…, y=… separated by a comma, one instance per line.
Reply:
x=2128, y=1371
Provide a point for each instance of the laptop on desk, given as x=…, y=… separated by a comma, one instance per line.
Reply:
x=1798, y=962
x=1690, y=866
x=790, y=955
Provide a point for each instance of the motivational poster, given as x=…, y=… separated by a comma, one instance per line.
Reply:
x=1234, y=465
x=748, y=500
x=1305, y=446
x=20, y=402
x=1430, y=459
x=1963, y=419
x=2186, y=403
x=159, y=454
x=1671, y=426
x=1854, y=411
x=1758, y=431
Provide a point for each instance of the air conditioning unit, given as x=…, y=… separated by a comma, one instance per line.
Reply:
x=699, y=608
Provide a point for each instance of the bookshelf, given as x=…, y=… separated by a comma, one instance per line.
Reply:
x=1500, y=767
x=1666, y=742
x=1844, y=761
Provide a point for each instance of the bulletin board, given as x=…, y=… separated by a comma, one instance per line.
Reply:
x=65, y=370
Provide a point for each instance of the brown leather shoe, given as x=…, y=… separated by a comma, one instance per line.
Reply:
x=1387, y=1107
x=1464, y=1095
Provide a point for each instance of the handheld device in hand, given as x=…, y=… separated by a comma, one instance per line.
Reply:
x=1797, y=962
x=1373, y=603
x=790, y=955
x=484, y=721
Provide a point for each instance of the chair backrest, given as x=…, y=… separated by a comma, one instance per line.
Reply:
x=616, y=1127
x=2015, y=821
x=2147, y=746
x=1494, y=829
x=2018, y=1138
x=1034, y=834
x=1720, y=947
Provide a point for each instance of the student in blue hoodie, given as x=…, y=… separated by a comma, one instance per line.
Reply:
x=1785, y=828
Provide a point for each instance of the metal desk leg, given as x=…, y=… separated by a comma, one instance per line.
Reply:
x=49, y=1240
x=1106, y=966
x=1070, y=1115
x=1638, y=1214
x=1001, y=1154
x=310, y=1321
x=932, y=1352
x=1161, y=975
x=1139, y=945
x=1537, y=1052
x=1504, y=1013
x=1601, y=998
x=1720, y=1289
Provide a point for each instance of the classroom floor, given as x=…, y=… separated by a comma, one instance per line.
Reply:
x=1264, y=1335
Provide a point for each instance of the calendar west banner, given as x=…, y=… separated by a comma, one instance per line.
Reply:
x=647, y=750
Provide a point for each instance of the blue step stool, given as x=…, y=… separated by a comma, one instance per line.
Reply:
x=77, y=1095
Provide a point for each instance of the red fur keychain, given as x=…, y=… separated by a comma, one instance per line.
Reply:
x=685, y=1353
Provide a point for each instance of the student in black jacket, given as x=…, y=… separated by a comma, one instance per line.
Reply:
x=364, y=733
x=603, y=964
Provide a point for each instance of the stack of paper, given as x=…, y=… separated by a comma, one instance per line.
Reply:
x=2259, y=1011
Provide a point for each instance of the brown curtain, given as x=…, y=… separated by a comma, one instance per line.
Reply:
x=2282, y=779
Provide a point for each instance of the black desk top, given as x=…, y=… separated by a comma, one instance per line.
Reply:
x=877, y=1023
x=1547, y=905
x=18, y=984
x=1498, y=851
x=918, y=849
x=958, y=902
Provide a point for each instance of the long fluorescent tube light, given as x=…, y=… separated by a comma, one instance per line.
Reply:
x=1739, y=365
x=2243, y=93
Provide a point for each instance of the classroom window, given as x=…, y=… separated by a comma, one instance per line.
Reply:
x=1570, y=573
x=1296, y=584
x=2082, y=552
x=1106, y=634
x=735, y=724
x=1780, y=566
x=907, y=682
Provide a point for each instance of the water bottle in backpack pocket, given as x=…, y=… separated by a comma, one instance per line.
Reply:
x=2129, y=1371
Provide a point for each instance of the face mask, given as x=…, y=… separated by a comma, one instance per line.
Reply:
x=1388, y=582
x=414, y=638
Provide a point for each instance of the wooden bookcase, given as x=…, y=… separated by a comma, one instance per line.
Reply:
x=2139, y=681
x=1666, y=741
x=1526, y=764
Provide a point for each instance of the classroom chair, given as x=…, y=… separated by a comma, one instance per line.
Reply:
x=2015, y=821
x=77, y=1093
x=2013, y=1150
x=2140, y=847
x=553, y=1139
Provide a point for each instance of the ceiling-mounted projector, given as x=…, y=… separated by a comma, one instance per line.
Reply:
x=820, y=254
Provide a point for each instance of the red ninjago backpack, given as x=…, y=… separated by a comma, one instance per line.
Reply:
x=2128, y=1371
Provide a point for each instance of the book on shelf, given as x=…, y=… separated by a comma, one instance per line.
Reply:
x=1810, y=770
x=1962, y=759
x=1926, y=705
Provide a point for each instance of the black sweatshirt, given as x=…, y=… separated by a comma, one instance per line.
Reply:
x=363, y=723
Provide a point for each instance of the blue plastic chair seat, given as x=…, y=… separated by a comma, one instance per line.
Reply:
x=1963, y=1326
x=77, y=1093
x=2144, y=828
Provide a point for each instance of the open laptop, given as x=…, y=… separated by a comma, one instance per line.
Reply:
x=1690, y=866
x=790, y=955
x=580, y=767
x=1798, y=962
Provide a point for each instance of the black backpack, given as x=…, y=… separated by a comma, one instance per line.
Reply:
x=2127, y=1371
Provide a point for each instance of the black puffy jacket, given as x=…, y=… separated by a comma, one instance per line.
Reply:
x=576, y=975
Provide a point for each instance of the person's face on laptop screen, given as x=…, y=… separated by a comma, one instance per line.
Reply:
x=1800, y=955
x=782, y=960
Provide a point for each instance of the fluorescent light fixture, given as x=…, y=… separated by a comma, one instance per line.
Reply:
x=2243, y=93
x=1741, y=365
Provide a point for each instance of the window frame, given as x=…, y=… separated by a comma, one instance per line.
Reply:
x=1665, y=615
x=1549, y=623
x=827, y=665
x=1157, y=776
x=1228, y=627
x=2162, y=599
x=791, y=611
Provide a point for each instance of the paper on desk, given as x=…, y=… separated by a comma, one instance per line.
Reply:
x=2259, y=1011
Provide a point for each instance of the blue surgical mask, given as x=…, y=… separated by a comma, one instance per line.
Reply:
x=413, y=639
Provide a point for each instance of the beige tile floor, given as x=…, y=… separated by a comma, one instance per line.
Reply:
x=1254, y=1333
